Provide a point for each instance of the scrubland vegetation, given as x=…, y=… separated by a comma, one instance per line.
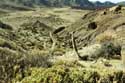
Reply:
x=62, y=45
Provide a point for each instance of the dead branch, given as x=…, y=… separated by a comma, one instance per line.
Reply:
x=54, y=43
x=74, y=46
x=123, y=55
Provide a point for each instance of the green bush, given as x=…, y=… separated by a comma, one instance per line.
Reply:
x=61, y=74
x=70, y=74
x=111, y=49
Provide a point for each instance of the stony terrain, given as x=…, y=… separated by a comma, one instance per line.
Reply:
x=62, y=45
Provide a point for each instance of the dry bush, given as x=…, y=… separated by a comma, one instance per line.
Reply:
x=8, y=60
x=106, y=37
x=14, y=65
x=110, y=45
x=38, y=58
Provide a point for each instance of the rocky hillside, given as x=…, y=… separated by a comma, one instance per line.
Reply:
x=96, y=23
x=62, y=45
x=93, y=33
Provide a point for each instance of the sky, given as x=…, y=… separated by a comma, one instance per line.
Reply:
x=115, y=1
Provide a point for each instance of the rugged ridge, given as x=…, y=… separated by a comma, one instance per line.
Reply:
x=57, y=3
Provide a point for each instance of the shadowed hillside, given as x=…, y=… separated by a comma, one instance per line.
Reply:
x=83, y=4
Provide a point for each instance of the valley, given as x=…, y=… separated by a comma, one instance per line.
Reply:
x=62, y=45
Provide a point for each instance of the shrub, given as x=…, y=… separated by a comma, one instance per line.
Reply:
x=15, y=65
x=61, y=74
x=92, y=25
x=7, y=44
x=8, y=60
x=110, y=45
x=70, y=74
x=37, y=58
x=5, y=26
x=105, y=37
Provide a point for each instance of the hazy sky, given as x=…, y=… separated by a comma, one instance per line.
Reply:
x=115, y=1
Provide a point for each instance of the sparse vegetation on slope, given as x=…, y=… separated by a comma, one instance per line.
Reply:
x=37, y=46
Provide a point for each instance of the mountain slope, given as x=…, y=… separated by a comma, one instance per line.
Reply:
x=122, y=3
x=10, y=6
x=105, y=22
x=57, y=3
x=27, y=42
x=98, y=4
